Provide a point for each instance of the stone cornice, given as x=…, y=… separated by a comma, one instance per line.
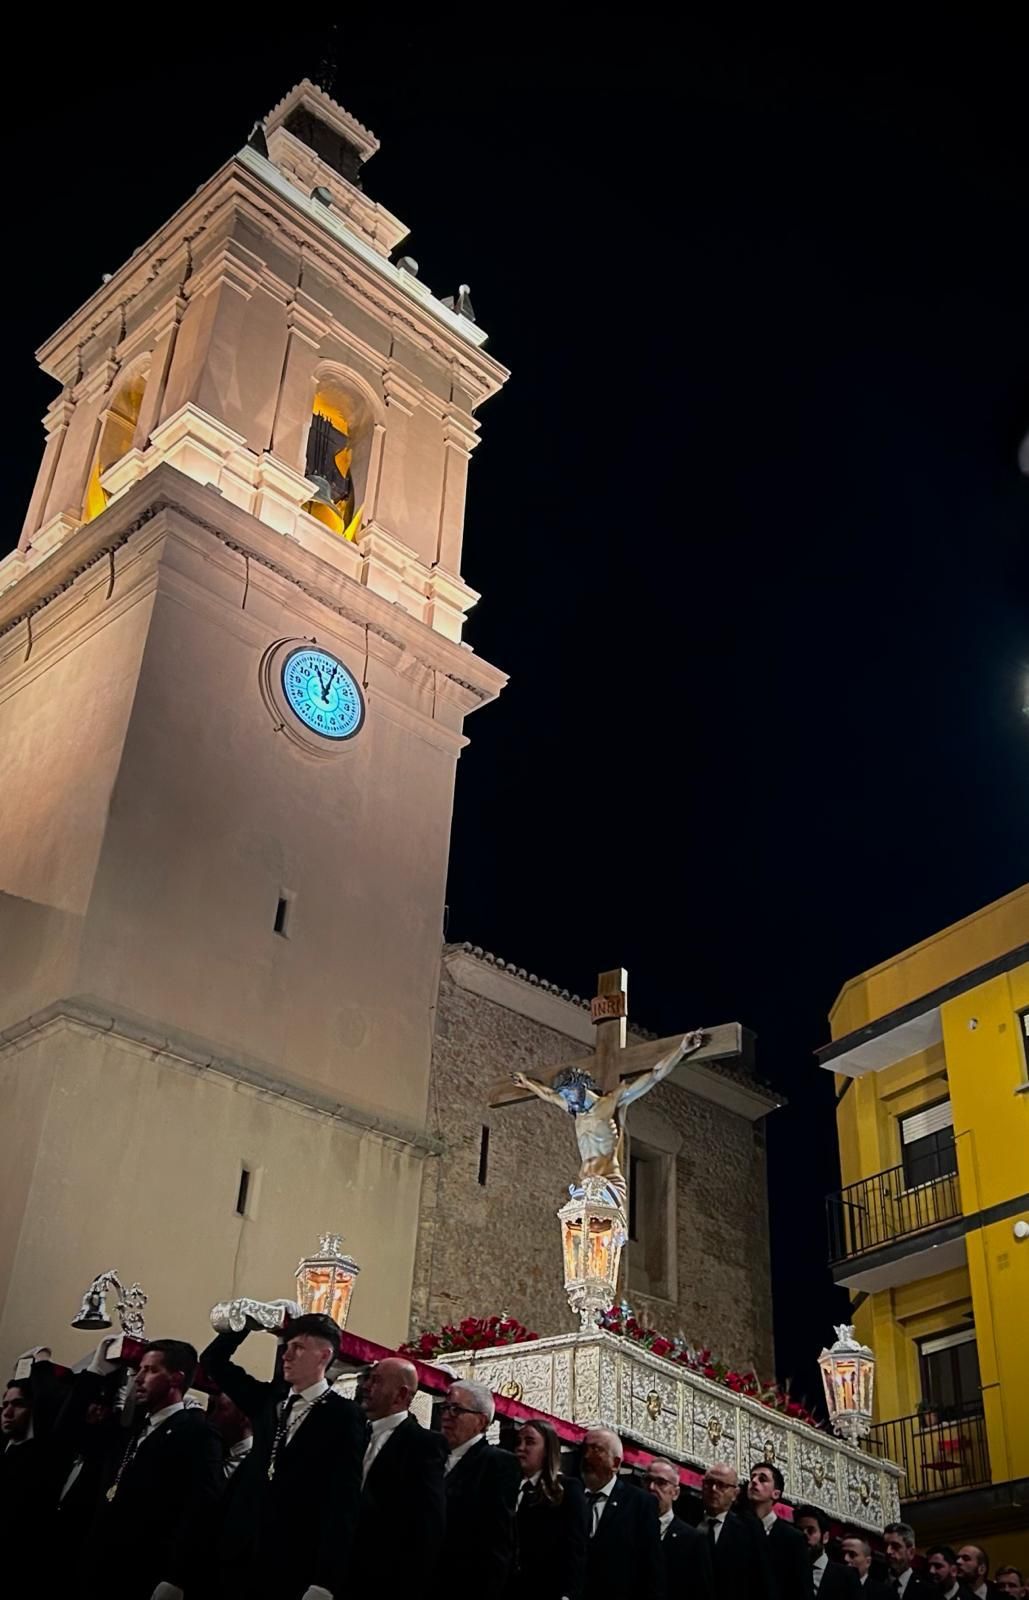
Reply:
x=250, y=182
x=85, y=1013
x=165, y=489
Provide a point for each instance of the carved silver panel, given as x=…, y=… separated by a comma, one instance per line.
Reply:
x=562, y=1384
x=815, y=1460
x=862, y=1493
x=715, y=1430
x=765, y=1439
x=587, y=1385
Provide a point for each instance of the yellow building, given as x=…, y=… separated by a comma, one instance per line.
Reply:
x=930, y=1232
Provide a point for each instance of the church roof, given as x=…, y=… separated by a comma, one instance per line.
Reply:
x=739, y=1072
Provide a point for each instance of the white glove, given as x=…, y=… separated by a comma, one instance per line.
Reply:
x=314, y=1591
x=167, y=1591
x=98, y=1361
x=27, y=1360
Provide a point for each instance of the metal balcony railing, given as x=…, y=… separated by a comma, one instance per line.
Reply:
x=879, y=1210
x=939, y=1454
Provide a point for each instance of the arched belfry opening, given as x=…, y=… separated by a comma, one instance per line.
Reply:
x=118, y=422
x=338, y=452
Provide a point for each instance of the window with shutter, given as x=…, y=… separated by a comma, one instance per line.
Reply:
x=928, y=1151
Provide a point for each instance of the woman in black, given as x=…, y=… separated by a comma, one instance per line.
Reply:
x=552, y=1521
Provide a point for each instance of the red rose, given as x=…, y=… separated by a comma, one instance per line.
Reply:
x=661, y=1346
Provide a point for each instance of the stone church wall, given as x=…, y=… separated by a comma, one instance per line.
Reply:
x=494, y=1246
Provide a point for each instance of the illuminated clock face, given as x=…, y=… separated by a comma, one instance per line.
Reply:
x=322, y=693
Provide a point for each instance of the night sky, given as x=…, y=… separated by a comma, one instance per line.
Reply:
x=747, y=519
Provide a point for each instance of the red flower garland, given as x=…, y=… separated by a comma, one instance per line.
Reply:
x=473, y=1333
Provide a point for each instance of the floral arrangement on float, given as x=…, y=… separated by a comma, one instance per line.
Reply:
x=485, y=1333
x=473, y=1333
x=622, y=1321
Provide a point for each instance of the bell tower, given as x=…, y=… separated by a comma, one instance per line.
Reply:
x=232, y=698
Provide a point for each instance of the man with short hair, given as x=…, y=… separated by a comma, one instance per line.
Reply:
x=688, y=1572
x=787, y=1548
x=1010, y=1581
x=623, y=1553
x=974, y=1571
x=25, y=1486
x=155, y=1521
x=739, y=1552
x=857, y=1554
x=830, y=1580
x=403, y=1466
x=481, y=1490
x=289, y=1536
x=942, y=1566
x=900, y=1556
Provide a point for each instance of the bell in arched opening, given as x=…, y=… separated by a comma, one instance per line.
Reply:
x=117, y=431
x=329, y=464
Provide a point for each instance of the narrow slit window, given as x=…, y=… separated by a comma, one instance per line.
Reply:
x=483, y=1155
x=282, y=915
x=243, y=1192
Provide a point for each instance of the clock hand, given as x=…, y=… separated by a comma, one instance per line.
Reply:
x=321, y=681
x=328, y=686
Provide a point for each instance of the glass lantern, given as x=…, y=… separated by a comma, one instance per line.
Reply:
x=325, y=1280
x=848, y=1373
x=592, y=1236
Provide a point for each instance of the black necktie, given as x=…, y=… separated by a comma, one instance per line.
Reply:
x=595, y=1497
x=712, y=1523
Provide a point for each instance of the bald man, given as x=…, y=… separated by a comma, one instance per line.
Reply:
x=402, y=1512
x=738, y=1545
x=623, y=1556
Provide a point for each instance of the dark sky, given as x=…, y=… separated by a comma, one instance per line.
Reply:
x=747, y=519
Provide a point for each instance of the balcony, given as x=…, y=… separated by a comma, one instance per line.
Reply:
x=877, y=1223
x=939, y=1455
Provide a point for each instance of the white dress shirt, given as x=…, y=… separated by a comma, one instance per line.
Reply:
x=461, y=1450
x=665, y=1522
x=527, y=1483
x=902, y=1582
x=982, y=1592
x=714, y=1525
x=382, y=1427
x=818, y=1570
x=155, y=1418
x=600, y=1504
x=769, y=1520
x=303, y=1400
x=954, y=1590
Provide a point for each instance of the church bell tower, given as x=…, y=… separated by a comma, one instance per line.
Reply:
x=232, y=698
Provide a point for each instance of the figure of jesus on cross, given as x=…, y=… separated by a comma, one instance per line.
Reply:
x=598, y=1099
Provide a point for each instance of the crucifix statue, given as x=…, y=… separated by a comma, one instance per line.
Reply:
x=596, y=1089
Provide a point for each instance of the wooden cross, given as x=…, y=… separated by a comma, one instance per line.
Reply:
x=613, y=1059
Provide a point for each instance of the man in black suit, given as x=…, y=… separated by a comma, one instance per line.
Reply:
x=481, y=1485
x=942, y=1567
x=154, y=1522
x=738, y=1544
x=688, y=1574
x=857, y=1554
x=831, y=1580
x=787, y=1548
x=26, y=1482
x=403, y=1466
x=974, y=1572
x=290, y=1530
x=623, y=1559
x=899, y=1538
